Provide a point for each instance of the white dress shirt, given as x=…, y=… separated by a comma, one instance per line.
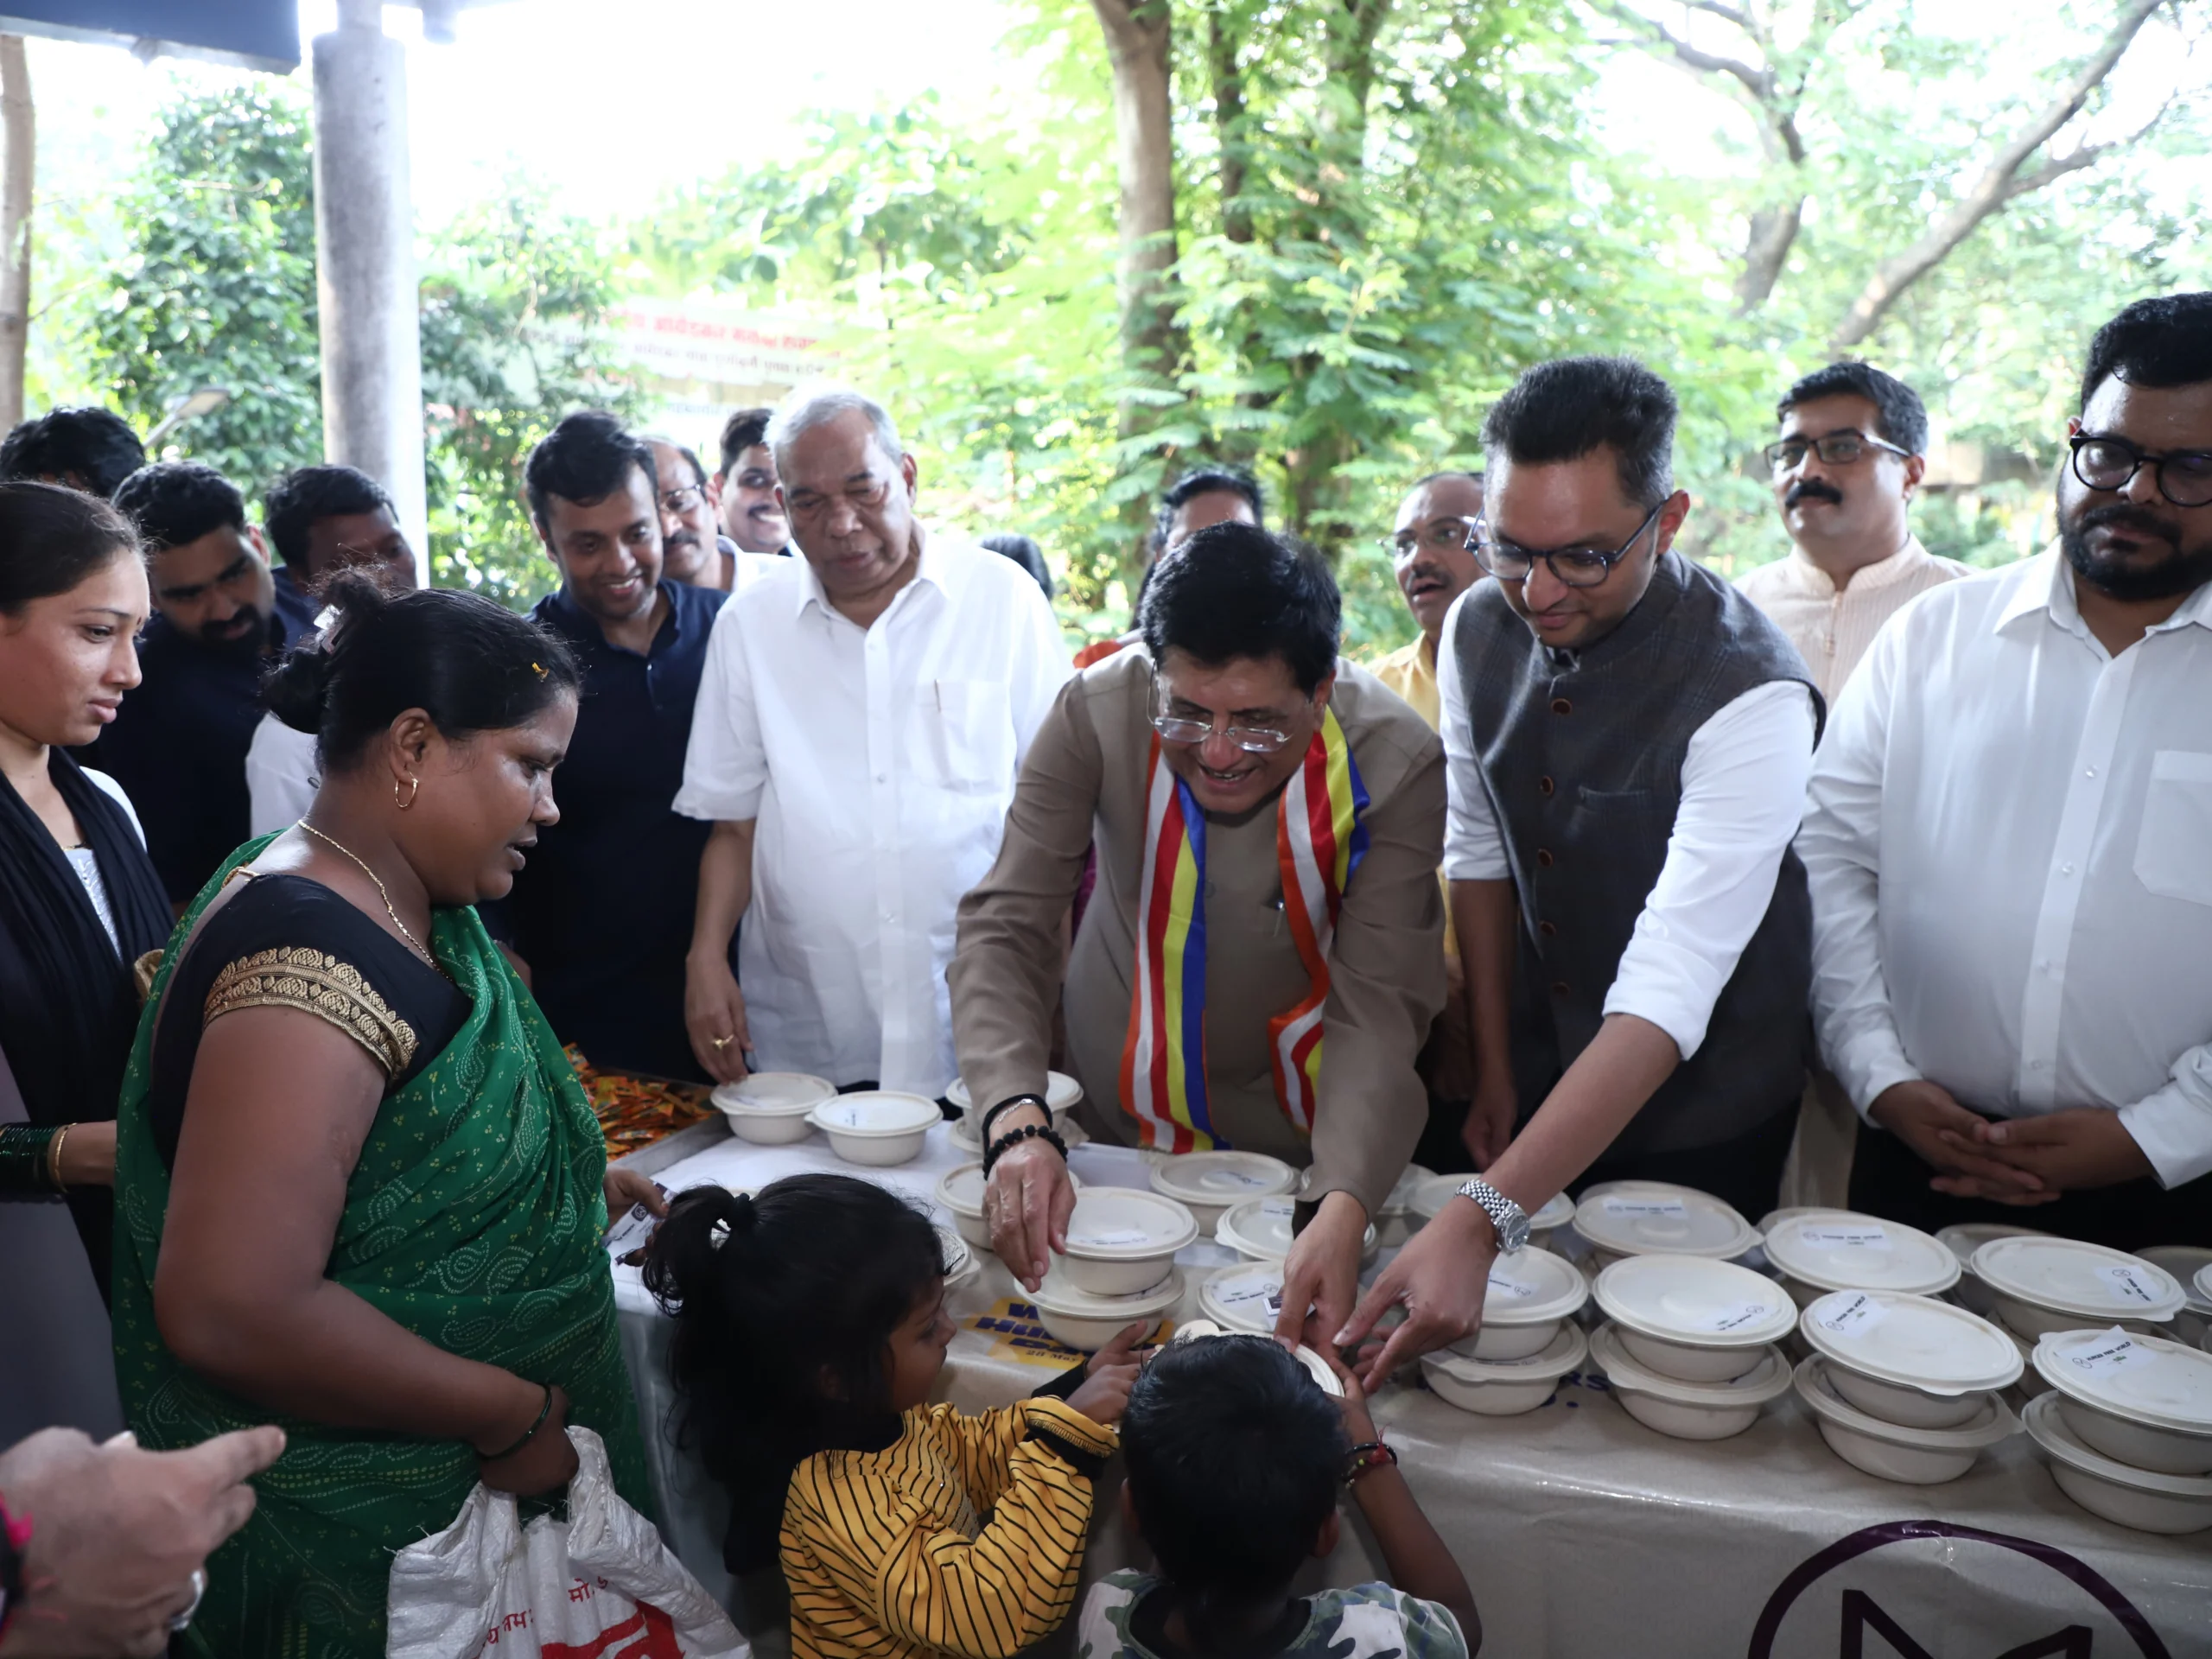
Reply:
x=2009, y=843
x=1743, y=782
x=280, y=776
x=1832, y=627
x=878, y=765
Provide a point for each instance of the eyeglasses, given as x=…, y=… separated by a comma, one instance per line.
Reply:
x=2185, y=476
x=1437, y=536
x=682, y=500
x=1837, y=448
x=1574, y=567
x=1173, y=729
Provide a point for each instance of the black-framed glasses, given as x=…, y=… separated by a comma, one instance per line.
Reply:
x=1176, y=729
x=682, y=500
x=2183, y=476
x=1574, y=567
x=1837, y=449
x=1437, y=536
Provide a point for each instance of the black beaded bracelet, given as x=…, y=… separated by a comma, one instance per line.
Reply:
x=1013, y=1137
x=991, y=1116
x=527, y=1435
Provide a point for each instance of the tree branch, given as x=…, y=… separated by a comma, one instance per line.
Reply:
x=1758, y=82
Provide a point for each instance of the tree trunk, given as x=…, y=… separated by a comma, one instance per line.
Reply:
x=1228, y=79
x=1138, y=35
x=1766, y=251
x=19, y=123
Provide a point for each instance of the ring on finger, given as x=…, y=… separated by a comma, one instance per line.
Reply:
x=183, y=1620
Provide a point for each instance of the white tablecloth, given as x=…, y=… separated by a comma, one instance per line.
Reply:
x=1581, y=1531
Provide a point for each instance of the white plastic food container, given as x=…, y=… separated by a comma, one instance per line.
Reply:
x=960, y=1264
x=1245, y=1297
x=1396, y=1221
x=1210, y=1184
x=1429, y=1197
x=878, y=1127
x=1909, y=1360
x=1505, y=1388
x=2192, y=1266
x=968, y=1139
x=1531, y=1293
x=1962, y=1241
x=1918, y=1457
x=1259, y=1230
x=2062, y=1284
x=1548, y=1226
x=1623, y=1218
x=1689, y=1411
x=1822, y=1250
x=960, y=1190
x=1121, y=1241
x=770, y=1109
x=1691, y=1318
x=2141, y=1400
x=1080, y=1320
x=2125, y=1496
x=1063, y=1094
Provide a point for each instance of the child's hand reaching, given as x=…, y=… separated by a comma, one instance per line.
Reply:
x=1108, y=1375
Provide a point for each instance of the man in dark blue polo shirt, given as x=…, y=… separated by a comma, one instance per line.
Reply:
x=222, y=617
x=602, y=914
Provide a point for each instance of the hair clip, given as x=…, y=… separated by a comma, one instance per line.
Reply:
x=538, y=670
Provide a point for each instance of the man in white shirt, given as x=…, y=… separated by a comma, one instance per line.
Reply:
x=1627, y=738
x=861, y=719
x=2009, y=839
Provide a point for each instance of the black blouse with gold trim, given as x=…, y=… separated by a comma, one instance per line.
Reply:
x=287, y=942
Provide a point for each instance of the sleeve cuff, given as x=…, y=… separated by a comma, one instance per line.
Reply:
x=1672, y=987
x=717, y=805
x=1868, y=1064
x=1062, y=1424
x=1476, y=861
x=2175, y=1131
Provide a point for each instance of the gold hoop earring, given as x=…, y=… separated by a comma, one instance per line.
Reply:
x=414, y=788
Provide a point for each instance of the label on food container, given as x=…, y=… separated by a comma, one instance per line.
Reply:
x=1248, y=1182
x=632, y=1228
x=2117, y=1351
x=1861, y=1313
x=1511, y=1288
x=1614, y=1207
x=1846, y=1238
x=2128, y=1281
x=1249, y=1290
x=1734, y=1317
x=1114, y=1238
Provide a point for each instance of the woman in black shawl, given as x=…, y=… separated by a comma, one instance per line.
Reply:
x=79, y=904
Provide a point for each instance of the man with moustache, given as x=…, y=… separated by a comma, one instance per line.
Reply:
x=1850, y=457
x=2009, y=839
x=178, y=744
x=745, y=499
x=602, y=912
x=691, y=538
x=1628, y=739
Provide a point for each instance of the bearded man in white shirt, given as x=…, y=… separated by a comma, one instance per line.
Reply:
x=2009, y=839
x=862, y=716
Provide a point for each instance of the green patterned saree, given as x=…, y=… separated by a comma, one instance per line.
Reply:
x=472, y=1219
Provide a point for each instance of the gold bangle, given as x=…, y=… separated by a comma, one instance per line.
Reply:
x=53, y=1157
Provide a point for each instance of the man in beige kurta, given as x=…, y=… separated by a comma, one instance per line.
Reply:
x=1084, y=784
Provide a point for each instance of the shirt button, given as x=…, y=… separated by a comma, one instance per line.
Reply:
x=2091, y=773
x=1548, y=930
x=1561, y=706
x=1543, y=858
x=1545, y=786
x=2066, y=869
x=880, y=778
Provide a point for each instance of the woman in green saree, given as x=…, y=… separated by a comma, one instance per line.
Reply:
x=360, y=1192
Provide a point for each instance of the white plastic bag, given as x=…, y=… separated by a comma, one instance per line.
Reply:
x=602, y=1586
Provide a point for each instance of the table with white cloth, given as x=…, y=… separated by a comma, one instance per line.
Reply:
x=1581, y=1531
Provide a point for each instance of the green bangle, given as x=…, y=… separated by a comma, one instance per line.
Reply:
x=24, y=1159
x=528, y=1435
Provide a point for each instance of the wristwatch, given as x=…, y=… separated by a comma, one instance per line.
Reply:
x=1507, y=1219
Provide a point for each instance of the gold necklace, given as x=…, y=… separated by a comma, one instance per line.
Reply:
x=388, y=910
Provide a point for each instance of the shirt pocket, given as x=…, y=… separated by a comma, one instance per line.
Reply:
x=968, y=733
x=2173, y=850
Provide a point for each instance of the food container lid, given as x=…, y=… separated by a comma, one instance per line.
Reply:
x=1839, y=1249
x=1993, y=1423
x=1913, y=1340
x=2143, y=1379
x=2071, y=1277
x=1695, y=1299
x=961, y=1190
x=1057, y=1295
x=774, y=1093
x=1965, y=1237
x=2047, y=1428
x=1563, y=1353
x=2191, y=1265
x=1556, y=1213
x=1532, y=1286
x=1245, y=1297
x=1430, y=1197
x=1221, y=1178
x=1768, y=1379
x=1260, y=1227
x=1655, y=1219
x=1062, y=1092
x=1120, y=1223
x=1401, y=1192
x=875, y=1112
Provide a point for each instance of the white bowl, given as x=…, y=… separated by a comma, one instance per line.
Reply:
x=1063, y=1094
x=2063, y=1284
x=960, y=1264
x=1656, y=1218
x=1691, y=1318
x=1210, y=1184
x=1906, y=1407
x=1689, y=1411
x=2125, y=1496
x=878, y=1127
x=1245, y=1297
x=1505, y=1388
x=1531, y=1292
x=1429, y=1198
x=1396, y=1222
x=770, y=1109
x=1122, y=1242
x=1909, y=1360
x=2141, y=1400
x=969, y=1140
x=1823, y=1250
x=1548, y=1226
x=1918, y=1457
x=2192, y=1265
x=1962, y=1241
x=1259, y=1231
x=1074, y=1316
x=960, y=1190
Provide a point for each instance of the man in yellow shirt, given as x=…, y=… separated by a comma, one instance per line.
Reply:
x=1428, y=552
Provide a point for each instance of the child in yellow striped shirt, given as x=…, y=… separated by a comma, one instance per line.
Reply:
x=810, y=1331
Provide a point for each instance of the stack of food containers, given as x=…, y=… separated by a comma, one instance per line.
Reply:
x=1962, y=1241
x=770, y=1109
x=1526, y=1342
x=876, y=1126
x=1210, y=1184
x=1626, y=1218
x=1903, y=1386
x=1690, y=1348
x=2127, y=1426
x=2192, y=1267
x=1547, y=1227
x=1817, y=1251
x=1119, y=1268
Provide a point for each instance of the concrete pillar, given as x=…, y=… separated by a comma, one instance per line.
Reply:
x=365, y=264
